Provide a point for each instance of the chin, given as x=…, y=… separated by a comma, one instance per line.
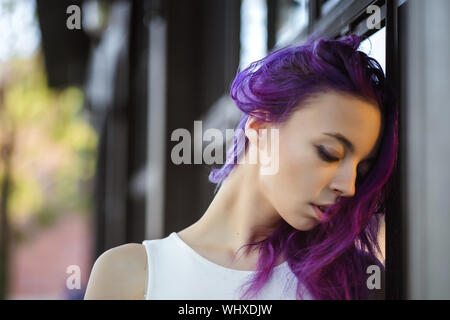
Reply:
x=304, y=224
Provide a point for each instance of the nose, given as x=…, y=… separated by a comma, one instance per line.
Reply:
x=344, y=181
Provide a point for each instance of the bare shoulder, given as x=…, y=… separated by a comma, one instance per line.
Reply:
x=119, y=273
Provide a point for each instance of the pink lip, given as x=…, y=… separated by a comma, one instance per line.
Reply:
x=318, y=212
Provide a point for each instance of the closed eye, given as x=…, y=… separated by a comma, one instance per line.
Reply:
x=363, y=167
x=324, y=155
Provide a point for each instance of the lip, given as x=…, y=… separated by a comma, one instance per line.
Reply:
x=318, y=212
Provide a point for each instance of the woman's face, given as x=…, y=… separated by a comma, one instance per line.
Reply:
x=314, y=165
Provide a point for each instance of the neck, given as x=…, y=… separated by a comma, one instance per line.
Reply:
x=239, y=213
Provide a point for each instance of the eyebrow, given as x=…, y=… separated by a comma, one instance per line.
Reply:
x=347, y=143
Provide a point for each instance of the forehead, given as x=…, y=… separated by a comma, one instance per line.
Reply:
x=356, y=119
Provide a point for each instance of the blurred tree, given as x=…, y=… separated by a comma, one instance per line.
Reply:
x=6, y=149
x=48, y=152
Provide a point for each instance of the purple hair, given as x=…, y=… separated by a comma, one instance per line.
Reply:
x=330, y=260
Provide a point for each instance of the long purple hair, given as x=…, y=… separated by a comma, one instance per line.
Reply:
x=330, y=260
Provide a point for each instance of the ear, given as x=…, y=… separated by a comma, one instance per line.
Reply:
x=252, y=127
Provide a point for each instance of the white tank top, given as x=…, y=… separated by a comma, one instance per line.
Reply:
x=178, y=272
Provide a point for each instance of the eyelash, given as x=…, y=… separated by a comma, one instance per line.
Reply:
x=325, y=155
x=328, y=158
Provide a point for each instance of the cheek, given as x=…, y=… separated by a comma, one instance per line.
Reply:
x=297, y=181
x=301, y=169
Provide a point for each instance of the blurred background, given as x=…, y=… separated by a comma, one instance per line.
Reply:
x=90, y=92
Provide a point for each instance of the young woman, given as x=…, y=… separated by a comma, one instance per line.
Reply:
x=309, y=227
